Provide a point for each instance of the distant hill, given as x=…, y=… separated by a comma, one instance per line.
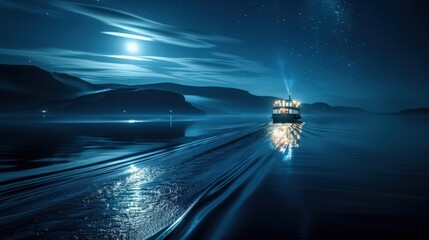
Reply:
x=215, y=100
x=325, y=108
x=32, y=80
x=29, y=89
x=130, y=101
x=24, y=87
x=414, y=111
x=220, y=100
x=36, y=81
x=80, y=85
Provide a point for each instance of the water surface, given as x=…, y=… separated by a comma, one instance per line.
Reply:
x=231, y=178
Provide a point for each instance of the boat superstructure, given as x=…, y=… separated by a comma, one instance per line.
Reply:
x=286, y=111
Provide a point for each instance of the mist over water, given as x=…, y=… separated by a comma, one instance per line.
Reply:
x=230, y=177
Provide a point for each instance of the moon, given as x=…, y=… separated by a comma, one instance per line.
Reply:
x=132, y=47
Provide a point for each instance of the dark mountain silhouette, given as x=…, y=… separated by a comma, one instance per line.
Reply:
x=32, y=80
x=414, y=111
x=221, y=100
x=77, y=83
x=130, y=101
x=325, y=108
x=29, y=89
x=24, y=87
x=215, y=100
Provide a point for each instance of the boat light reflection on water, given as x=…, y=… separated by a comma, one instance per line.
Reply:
x=286, y=137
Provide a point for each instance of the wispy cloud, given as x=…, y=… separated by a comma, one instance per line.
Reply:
x=136, y=27
x=79, y=64
x=128, y=35
x=218, y=69
x=210, y=67
x=127, y=25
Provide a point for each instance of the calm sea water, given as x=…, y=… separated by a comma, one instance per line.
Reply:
x=216, y=178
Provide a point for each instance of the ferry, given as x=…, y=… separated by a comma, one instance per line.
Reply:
x=286, y=111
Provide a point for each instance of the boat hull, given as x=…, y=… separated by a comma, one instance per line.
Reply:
x=286, y=118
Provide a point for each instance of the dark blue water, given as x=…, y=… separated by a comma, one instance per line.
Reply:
x=217, y=178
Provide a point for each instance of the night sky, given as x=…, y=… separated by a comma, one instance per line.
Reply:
x=363, y=53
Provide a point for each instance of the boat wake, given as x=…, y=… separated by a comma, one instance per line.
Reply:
x=167, y=193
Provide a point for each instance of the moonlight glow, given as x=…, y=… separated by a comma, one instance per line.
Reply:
x=132, y=47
